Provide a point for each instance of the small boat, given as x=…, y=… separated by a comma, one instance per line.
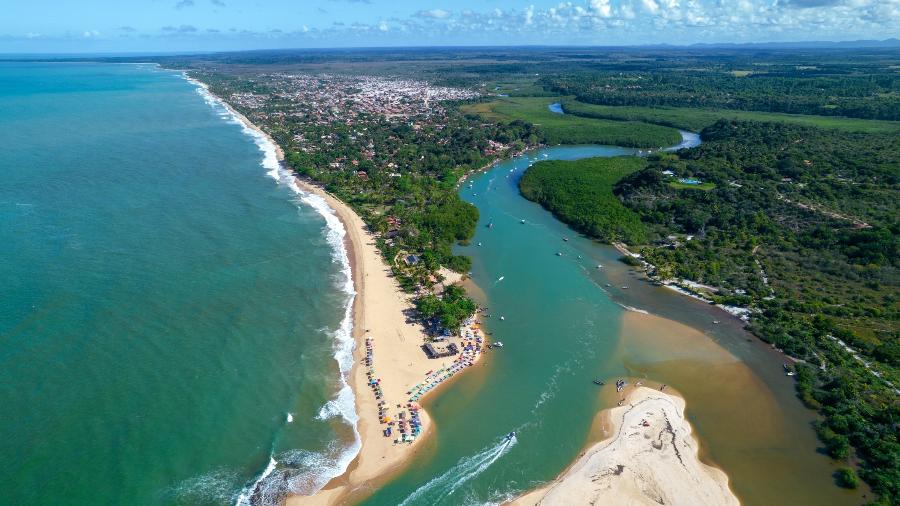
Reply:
x=559, y=254
x=608, y=284
x=715, y=322
x=787, y=370
x=509, y=437
x=566, y=239
x=502, y=317
x=479, y=244
x=490, y=225
x=598, y=382
x=624, y=287
x=599, y=266
x=522, y=222
x=498, y=344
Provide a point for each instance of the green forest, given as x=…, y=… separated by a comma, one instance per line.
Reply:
x=798, y=223
x=554, y=128
x=580, y=193
x=870, y=95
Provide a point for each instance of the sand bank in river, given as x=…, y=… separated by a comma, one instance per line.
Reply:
x=650, y=458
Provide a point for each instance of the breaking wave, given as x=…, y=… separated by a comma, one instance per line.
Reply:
x=300, y=471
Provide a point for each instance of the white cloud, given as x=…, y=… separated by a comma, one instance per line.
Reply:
x=602, y=8
x=434, y=14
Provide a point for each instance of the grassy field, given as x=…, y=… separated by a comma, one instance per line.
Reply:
x=701, y=186
x=697, y=119
x=580, y=193
x=569, y=129
x=517, y=87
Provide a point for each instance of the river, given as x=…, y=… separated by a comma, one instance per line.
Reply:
x=565, y=323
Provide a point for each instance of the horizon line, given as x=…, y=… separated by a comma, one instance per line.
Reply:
x=787, y=44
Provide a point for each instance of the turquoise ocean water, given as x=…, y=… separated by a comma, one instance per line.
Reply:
x=167, y=305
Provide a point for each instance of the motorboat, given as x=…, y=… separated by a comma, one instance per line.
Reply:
x=599, y=382
x=509, y=437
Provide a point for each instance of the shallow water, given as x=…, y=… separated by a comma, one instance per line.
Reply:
x=564, y=327
x=166, y=303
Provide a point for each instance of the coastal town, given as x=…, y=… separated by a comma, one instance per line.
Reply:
x=391, y=147
x=311, y=101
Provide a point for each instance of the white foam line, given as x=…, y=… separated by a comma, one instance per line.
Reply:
x=634, y=309
x=344, y=402
x=466, y=469
x=247, y=492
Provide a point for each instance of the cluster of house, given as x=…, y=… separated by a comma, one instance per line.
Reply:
x=325, y=99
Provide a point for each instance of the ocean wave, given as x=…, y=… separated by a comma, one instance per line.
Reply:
x=299, y=472
x=216, y=487
x=337, y=460
x=248, y=494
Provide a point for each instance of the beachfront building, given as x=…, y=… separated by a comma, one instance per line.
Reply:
x=434, y=350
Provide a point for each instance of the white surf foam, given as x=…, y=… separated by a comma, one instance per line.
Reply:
x=299, y=472
x=246, y=495
x=214, y=487
x=631, y=308
x=344, y=403
x=467, y=468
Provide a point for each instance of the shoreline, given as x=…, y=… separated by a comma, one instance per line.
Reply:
x=650, y=455
x=381, y=335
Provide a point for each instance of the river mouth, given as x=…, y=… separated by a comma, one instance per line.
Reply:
x=568, y=322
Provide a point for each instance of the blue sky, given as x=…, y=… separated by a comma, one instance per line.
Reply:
x=200, y=25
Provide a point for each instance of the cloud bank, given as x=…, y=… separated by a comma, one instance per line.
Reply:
x=587, y=22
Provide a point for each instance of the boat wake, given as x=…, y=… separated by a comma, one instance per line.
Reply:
x=445, y=485
x=634, y=309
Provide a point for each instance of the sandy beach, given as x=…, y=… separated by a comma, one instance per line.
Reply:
x=400, y=363
x=649, y=457
x=380, y=319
